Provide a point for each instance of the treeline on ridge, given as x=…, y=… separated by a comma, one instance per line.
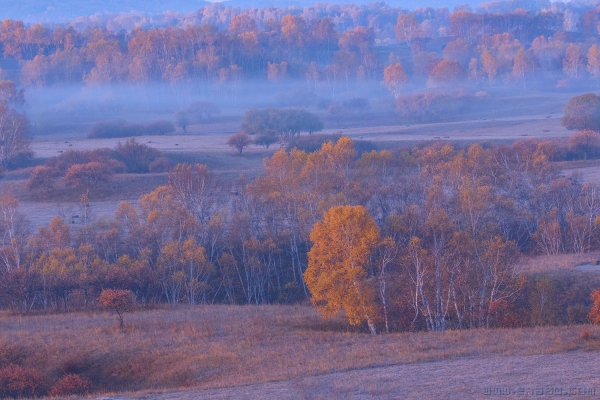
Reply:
x=321, y=44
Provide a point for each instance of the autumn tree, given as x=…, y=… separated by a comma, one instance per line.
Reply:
x=521, y=65
x=582, y=112
x=447, y=72
x=489, y=64
x=593, y=58
x=594, y=314
x=118, y=301
x=239, y=141
x=573, y=61
x=13, y=135
x=407, y=28
x=338, y=264
x=394, y=78
x=585, y=142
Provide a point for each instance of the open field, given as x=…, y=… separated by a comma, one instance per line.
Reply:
x=471, y=378
x=226, y=347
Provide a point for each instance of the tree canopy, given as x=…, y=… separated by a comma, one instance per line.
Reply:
x=338, y=261
x=582, y=113
x=284, y=123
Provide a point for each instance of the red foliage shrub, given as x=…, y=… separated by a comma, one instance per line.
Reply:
x=70, y=385
x=19, y=382
x=88, y=175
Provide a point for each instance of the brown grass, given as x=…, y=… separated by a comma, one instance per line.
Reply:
x=224, y=346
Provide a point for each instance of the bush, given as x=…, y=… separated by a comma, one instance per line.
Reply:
x=71, y=157
x=42, y=178
x=137, y=157
x=17, y=382
x=88, y=175
x=69, y=385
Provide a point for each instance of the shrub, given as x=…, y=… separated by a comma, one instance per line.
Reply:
x=88, y=175
x=69, y=385
x=17, y=382
x=42, y=178
x=137, y=157
x=72, y=157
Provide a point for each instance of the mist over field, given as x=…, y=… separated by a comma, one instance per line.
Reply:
x=299, y=199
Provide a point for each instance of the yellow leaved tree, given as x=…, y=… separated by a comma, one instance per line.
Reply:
x=338, y=262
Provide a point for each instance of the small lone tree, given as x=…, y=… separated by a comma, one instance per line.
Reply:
x=182, y=118
x=239, y=141
x=117, y=300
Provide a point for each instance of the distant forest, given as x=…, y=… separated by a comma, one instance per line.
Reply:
x=500, y=42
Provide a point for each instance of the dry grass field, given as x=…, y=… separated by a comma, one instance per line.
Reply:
x=290, y=349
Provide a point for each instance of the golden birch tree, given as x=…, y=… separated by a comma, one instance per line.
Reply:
x=337, y=274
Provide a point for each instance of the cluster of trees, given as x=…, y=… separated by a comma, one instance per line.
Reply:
x=271, y=125
x=328, y=44
x=421, y=239
x=86, y=170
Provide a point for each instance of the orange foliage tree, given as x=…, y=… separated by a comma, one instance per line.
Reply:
x=394, y=78
x=594, y=314
x=117, y=300
x=338, y=262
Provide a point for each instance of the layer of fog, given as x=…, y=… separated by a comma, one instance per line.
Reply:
x=72, y=110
